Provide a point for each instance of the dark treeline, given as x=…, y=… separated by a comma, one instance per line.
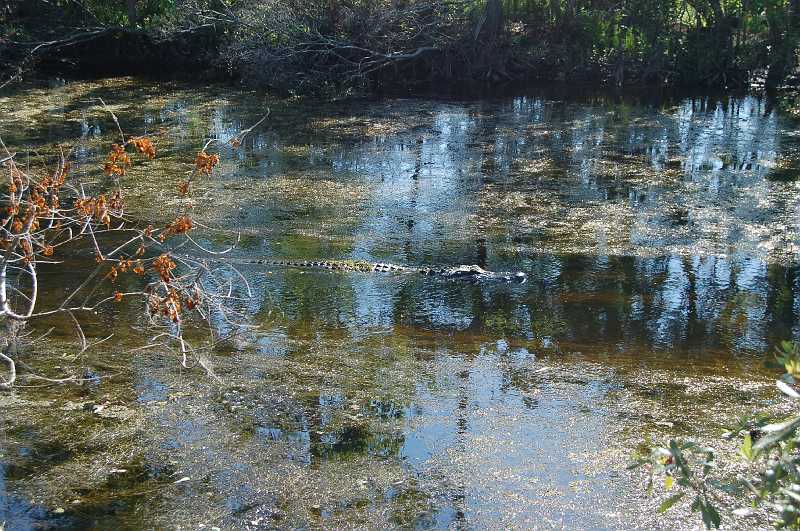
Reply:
x=319, y=45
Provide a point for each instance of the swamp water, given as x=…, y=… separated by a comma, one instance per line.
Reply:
x=660, y=239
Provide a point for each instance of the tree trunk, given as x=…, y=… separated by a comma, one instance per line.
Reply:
x=491, y=24
x=555, y=11
x=719, y=14
x=785, y=36
x=132, y=16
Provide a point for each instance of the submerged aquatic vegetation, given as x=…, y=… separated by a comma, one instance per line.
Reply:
x=379, y=401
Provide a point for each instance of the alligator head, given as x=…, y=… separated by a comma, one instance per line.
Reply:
x=518, y=277
x=476, y=273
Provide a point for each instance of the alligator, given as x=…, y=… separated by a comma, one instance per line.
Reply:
x=473, y=273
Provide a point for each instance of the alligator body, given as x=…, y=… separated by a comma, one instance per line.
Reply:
x=472, y=273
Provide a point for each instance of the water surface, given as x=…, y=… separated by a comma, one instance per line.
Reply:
x=661, y=242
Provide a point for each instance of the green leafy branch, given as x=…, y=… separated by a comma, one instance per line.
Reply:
x=772, y=448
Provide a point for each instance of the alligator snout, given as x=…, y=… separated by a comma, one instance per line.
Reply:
x=518, y=277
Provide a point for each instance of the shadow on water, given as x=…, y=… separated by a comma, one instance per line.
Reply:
x=661, y=245
x=102, y=512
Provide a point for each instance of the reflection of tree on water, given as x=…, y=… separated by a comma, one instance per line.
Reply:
x=671, y=303
x=640, y=227
x=458, y=494
x=676, y=303
x=690, y=178
x=683, y=302
x=782, y=301
x=689, y=181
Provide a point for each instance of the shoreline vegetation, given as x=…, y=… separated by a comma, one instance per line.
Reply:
x=343, y=48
